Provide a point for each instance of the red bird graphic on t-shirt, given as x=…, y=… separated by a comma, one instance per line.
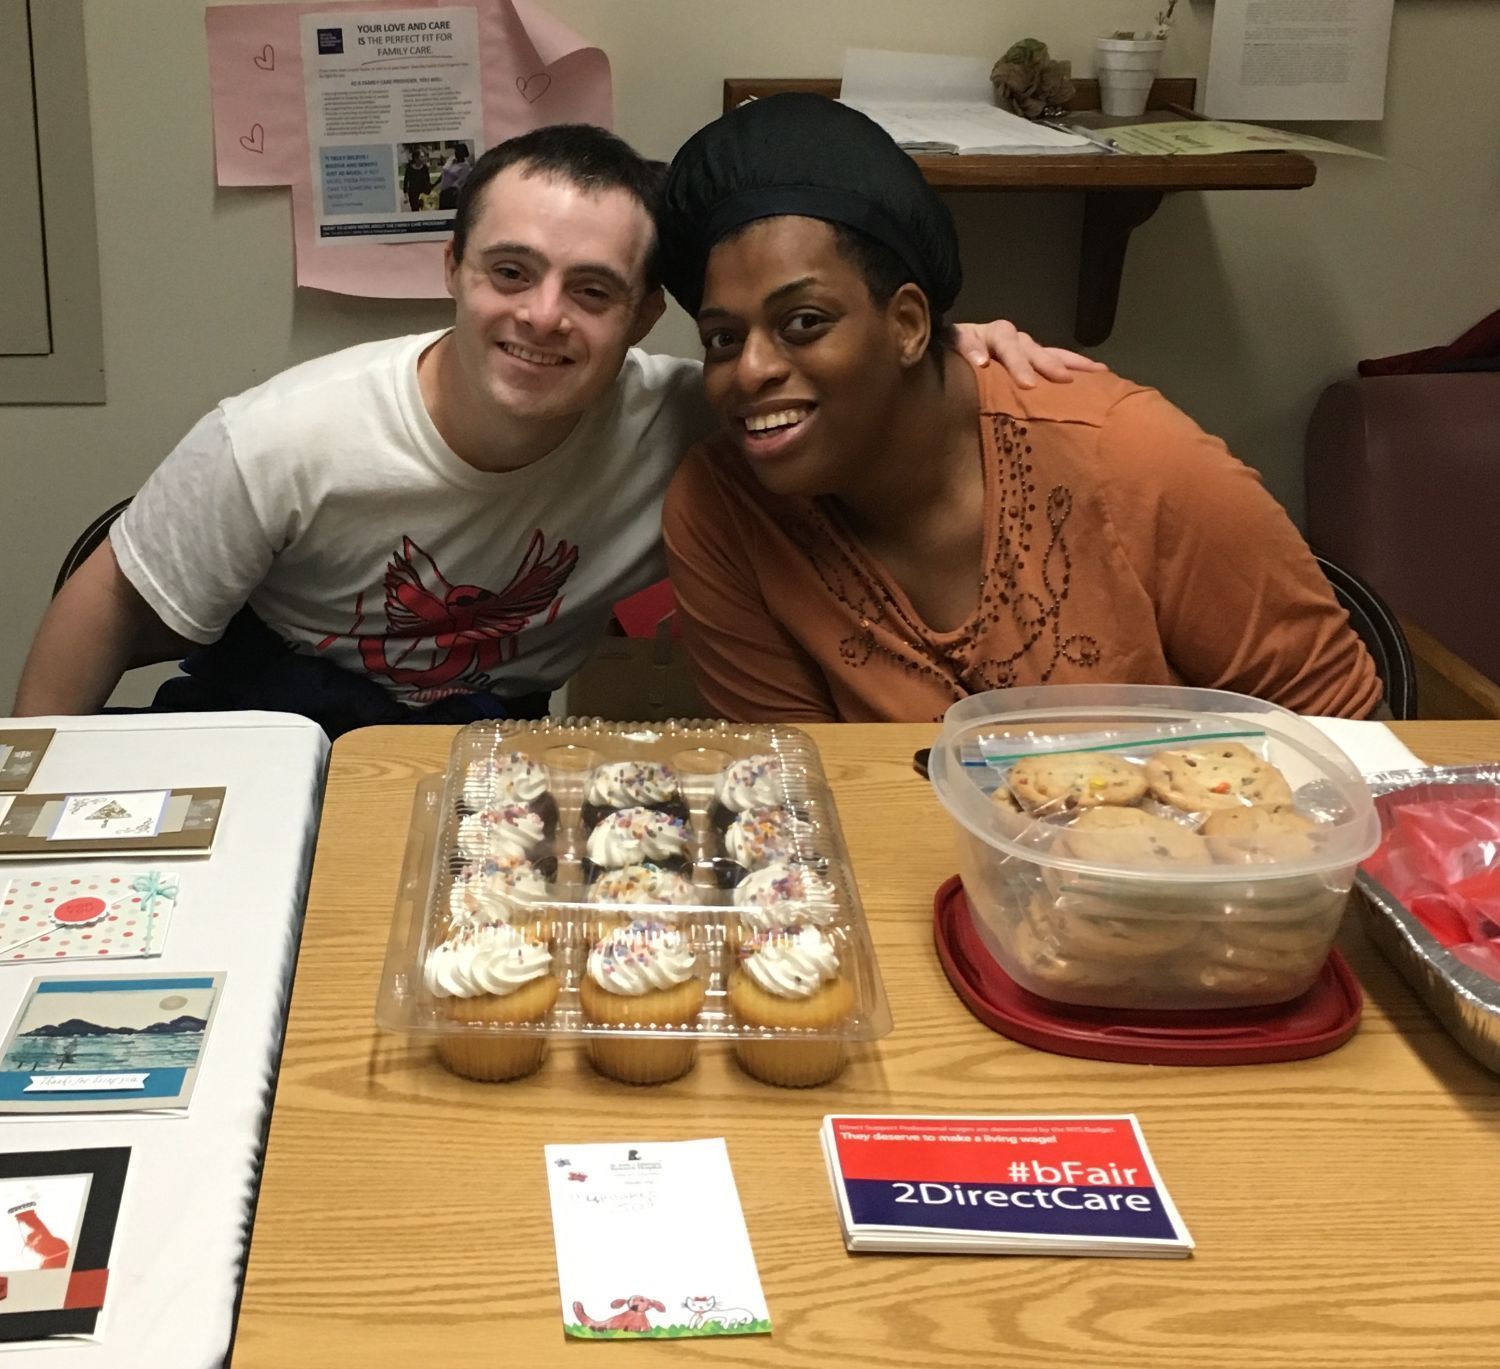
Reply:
x=464, y=631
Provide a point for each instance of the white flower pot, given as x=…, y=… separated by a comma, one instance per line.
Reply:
x=1126, y=67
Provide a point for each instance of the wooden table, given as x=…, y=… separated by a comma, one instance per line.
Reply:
x=1343, y=1207
x=1119, y=192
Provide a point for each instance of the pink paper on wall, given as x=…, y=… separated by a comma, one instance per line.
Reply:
x=534, y=71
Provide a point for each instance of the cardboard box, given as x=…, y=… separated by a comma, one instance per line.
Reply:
x=629, y=679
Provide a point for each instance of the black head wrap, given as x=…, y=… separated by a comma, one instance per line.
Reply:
x=813, y=157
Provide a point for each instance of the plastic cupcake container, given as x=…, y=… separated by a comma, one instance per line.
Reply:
x=657, y=887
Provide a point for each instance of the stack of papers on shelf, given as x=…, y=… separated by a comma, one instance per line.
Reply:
x=944, y=105
x=1210, y=137
x=1000, y=1185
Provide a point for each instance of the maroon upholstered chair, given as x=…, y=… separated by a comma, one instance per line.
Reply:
x=1403, y=488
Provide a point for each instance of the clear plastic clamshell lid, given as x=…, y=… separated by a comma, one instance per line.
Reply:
x=653, y=864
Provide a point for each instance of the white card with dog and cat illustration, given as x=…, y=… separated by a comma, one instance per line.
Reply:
x=628, y=1219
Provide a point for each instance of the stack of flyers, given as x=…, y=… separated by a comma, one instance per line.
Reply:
x=1002, y=1185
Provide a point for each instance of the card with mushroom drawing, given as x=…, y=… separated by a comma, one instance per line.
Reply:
x=651, y=1242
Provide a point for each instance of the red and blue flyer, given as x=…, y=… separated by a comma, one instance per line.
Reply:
x=1062, y=1185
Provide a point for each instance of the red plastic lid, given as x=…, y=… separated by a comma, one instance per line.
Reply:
x=1319, y=1021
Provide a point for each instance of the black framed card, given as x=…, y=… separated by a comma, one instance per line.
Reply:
x=58, y=1211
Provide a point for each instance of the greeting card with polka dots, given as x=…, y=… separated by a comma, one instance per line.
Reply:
x=86, y=913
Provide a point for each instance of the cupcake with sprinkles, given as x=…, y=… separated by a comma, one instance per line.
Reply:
x=497, y=889
x=511, y=831
x=782, y=894
x=760, y=836
x=643, y=975
x=647, y=883
x=787, y=990
x=754, y=782
x=632, y=784
x=484, y=979
x=638, y=836
x=508, y=778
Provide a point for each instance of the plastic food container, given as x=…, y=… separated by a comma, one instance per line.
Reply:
x=1149, y=847
x=642, y=888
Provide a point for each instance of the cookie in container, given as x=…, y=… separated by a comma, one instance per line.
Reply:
x=1148, y=847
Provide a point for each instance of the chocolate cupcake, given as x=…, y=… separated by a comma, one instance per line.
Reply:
x=510, y=831
x=621, y=785
x=508, y=778
x=753, y=782
x=760, y=836
x=638, y=836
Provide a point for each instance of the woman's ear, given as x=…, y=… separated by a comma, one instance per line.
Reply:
x=911, y=319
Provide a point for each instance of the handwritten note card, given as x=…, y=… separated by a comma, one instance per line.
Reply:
x=651, y=1242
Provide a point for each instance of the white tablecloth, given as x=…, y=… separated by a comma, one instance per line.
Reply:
x=184, y=1220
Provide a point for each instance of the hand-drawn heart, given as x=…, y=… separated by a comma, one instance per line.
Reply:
x=266, y=61
x=255, y=140
x=532, y=88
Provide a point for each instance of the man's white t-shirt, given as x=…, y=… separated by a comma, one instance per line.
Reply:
x=326, y=499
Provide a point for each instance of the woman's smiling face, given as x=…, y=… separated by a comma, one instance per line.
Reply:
x=799, y=361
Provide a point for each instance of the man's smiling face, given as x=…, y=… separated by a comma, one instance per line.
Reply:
x=550, y=294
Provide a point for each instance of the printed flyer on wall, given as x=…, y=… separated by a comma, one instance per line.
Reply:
x=394, y=120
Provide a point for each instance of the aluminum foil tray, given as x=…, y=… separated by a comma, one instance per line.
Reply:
x=1464, y=1000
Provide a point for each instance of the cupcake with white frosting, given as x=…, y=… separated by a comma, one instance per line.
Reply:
x=788, y=990
x=496, y=889
x=510, y=831
x=639, y=836
x=642, y=975
x=643, y=884
x=508, y=778
x=760, y=836
x=632, y=784
x=784, y=894
x=484, y=979
x=752, y=782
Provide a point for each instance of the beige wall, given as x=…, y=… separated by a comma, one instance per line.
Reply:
x=1240, y=306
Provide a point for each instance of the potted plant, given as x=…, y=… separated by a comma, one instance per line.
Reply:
x=1126, y=61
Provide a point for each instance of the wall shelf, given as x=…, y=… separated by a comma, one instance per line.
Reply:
x=1120, y=192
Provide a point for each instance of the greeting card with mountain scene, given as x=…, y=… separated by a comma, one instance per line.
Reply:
x=107, y=1045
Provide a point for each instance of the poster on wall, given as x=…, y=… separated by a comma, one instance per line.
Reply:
x=1298, y=59
x=371, y=113
x=394, y=116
